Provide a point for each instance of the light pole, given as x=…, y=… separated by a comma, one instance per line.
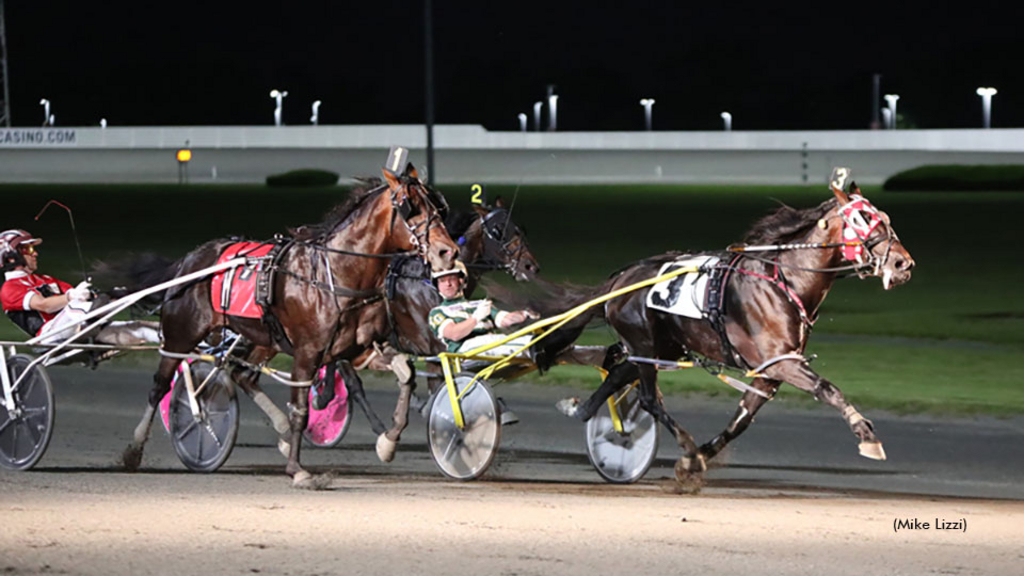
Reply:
x=536, y=115
x=315, y=118
x=647, y=103
x=892, y=99
x=726, y=121
x=103, y=123
x=886, y=117
x=522, y=122
x=552, y=112
x=279, y=96
x=986, y=105
x=46, y=111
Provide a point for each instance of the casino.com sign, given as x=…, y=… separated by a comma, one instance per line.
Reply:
x=38, y=137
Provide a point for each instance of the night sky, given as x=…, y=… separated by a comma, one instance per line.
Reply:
x=185, y=63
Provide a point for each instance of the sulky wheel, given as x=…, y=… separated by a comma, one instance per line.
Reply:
x=464, y=454
x=25, y=429
x=327, y=427
x=204, y=445
x=623, y=458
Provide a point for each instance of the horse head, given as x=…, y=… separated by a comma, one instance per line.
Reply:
x=870, y=240
x=505, y=242
x=417, y=221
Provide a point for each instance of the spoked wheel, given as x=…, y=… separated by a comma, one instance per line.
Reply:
x=25, y=428
x=204, y=444
x=623, y=457
x=467, y=453
x=327, y=427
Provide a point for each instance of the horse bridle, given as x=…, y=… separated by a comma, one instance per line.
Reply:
x=498, y=253
x=420, y=233
x=869, y=240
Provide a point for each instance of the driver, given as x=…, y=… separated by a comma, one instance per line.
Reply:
x=463, y=325
x=40, y=304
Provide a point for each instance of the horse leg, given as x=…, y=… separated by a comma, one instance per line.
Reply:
x=247, y=380
x=619, y=375
x=304, y=368
x=358, y=394
x=799, y=374
x=691, y=466
x=387, y=442
x=131, y=457
x=749, y=405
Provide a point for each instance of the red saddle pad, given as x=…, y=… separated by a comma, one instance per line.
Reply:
x=233, y=291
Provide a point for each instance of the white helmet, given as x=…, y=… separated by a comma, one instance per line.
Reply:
x=458, y=268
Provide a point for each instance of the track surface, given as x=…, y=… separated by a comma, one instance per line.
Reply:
x=791, y=496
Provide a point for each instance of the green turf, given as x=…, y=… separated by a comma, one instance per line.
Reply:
x=966, y=287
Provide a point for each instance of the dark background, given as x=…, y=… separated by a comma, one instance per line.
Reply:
x=207, y=63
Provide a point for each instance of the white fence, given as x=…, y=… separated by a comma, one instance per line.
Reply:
x=470, y=153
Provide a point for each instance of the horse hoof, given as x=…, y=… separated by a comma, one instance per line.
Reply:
x=871, y=450
x=284, y=447
x=687, y=481
x=302, y=479
x=568, y=406
x=386, y=448
x=131, y=458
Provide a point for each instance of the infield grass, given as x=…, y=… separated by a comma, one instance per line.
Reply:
x=951, y=340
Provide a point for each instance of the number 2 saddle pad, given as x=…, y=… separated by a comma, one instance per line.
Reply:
x=686, y=294
x=233, y=291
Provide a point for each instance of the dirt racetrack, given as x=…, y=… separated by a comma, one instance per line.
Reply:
x=792, y=497
x=111, y=523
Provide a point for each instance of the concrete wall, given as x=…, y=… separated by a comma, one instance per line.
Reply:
x=470, y=153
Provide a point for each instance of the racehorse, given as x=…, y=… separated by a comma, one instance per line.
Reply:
x=323, y=294
x=769, y=303
x=489, y=241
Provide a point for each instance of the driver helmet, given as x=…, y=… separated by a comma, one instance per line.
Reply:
x=458, y=268
x=11, y=242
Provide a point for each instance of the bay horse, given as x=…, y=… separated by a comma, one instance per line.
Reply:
x=324, y=293
x=489, y=241
x=769, y=303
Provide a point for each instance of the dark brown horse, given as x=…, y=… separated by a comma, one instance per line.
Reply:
x=489, y=241
x=769, y=301
x=324, y=295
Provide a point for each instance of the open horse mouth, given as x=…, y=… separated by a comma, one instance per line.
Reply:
x=898, y=271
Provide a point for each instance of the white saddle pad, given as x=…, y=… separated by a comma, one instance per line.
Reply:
x=685, y=294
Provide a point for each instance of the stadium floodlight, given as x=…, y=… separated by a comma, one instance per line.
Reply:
x=647, y=103
x=552, y=112
x=315, y=118
x=522, y=122
x=986, y=105
x=536, y=115
x=279, y=96
x=726, y=121
x=46, y=111
x=103, y=123
x=892, y=99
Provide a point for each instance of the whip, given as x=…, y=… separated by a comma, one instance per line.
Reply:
x=74, y=233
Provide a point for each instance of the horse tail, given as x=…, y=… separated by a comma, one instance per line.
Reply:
x=127, y=275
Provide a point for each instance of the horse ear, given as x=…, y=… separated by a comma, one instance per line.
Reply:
x=499, y=203
x=410, y=170
x=854, y=189
x=840, y=195
x=392, y=180
x=480, y=210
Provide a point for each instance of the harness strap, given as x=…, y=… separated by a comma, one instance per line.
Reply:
x=756, y=372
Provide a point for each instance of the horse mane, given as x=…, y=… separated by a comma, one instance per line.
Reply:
x=458, y=223
x=786, y=223
x=366, y=189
